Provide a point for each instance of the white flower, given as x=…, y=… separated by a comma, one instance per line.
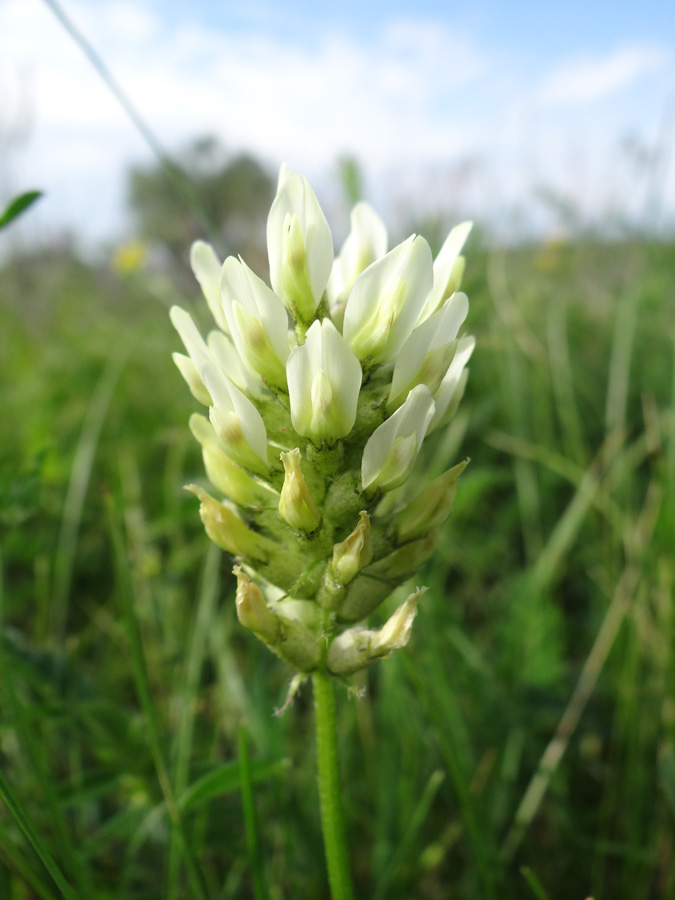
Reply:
x=324, y=379
x=224, y=474
x=257, y=321
x=452, y=387
x=347, y=393
x=225, y=356
x=426, y=355
x=206, y=266
x=299, y=245
x=448, y=269
x=365, y=243
x=236, y=421
x=391, y=451
x=385, y=301
x=189, y=372
x=189, y=334
x=218, y=349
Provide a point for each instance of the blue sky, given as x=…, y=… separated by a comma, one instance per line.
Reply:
x=470, y=107
x=535, y=32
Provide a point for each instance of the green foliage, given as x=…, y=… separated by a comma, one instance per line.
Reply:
x=234, y=193
x=549, y=613
x=17, y=206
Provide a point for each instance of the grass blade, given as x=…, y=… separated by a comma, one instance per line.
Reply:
x=25, y=824
x=252, y=843
x=417, y=820
x=196, y=877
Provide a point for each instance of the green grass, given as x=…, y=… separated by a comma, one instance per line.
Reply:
x=523, y=745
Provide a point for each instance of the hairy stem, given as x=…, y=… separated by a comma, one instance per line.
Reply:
x=332, y=822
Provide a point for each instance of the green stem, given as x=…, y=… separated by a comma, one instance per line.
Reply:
x=332, y=823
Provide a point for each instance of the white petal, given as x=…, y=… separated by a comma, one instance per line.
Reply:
x=439, y=329
x=395, y=633
x=446, y=391
x=374, y=311
x=189, y=372
x=443, y=264
x=227, y=396
x=238, y=283
x=452, y=247
x=206, y=266
x=344, y=373
x=295, y=196
x=204, y=432
x=225, y=355
x=368, y=229
x=190, y=336
x=324, y=361
x=284, y=174
x=365, y=243
x=319, y=243
x=411, y=418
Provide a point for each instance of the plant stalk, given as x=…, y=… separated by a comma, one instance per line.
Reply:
x=332, y=822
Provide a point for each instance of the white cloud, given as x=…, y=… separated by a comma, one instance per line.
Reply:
x=250, y=89
x=417, y=97
x=588, y=79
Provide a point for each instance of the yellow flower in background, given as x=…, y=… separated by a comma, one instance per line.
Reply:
x=130, y=257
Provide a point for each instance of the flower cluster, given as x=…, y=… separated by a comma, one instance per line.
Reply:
x=320, y=391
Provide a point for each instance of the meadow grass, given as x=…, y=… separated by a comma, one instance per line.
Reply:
x=522, y=745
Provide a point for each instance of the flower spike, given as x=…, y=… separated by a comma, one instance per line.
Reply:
x=309, y=426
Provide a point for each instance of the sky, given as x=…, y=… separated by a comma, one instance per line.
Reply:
x=518, y=114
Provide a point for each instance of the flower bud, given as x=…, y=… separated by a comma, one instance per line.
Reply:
x=430, y=508
x=324, y=378
x=298, y=644
x=355, y=552
x=363, y=595
x=404, y=561
x=252, y=610
x=257, y=321
x=227, y=530
x=357, y=647
x=224, y=474
x=288, y=628
x=300, y=246
x=295, y=503
x=386, y=300
x=391, y=451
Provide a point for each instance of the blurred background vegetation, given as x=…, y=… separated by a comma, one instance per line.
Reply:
x=524, y=743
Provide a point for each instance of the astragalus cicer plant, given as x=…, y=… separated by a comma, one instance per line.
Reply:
x=321, y=390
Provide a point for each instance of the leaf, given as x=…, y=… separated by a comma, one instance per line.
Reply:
x=226, y=778
x=18, y=205
x=534, y=883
